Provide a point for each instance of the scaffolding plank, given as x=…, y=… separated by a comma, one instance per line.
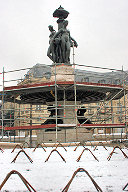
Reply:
x=34, y=127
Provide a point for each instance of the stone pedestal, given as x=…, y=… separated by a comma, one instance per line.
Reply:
x=68, y=111
x=63, y=72
x=64, y=135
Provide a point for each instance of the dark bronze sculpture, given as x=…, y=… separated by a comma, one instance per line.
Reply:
x=52, y=119
x=51, y=52
x=81, y=118
x=61, y=41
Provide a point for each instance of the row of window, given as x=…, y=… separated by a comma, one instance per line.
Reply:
x=37, y=108
x=117, y=81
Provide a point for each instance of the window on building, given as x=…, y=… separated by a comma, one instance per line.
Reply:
x=117, y=81
x=120, y=112
x=22, y=112
x=101, y=81
x=85, y=79
x=38, y=107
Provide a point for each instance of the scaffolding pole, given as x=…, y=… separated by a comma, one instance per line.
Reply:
x=125, y=103
x=56, y=104
x=101, y=107
x=2, y=133
x=64, y=114
x=14, y=118
x=75, y=105
x=30, y=125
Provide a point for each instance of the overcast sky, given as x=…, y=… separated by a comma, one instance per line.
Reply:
x=100, y=28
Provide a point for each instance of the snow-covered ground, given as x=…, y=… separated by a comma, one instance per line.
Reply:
x=53, y=175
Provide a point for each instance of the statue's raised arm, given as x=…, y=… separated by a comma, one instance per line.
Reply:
x=74, y=42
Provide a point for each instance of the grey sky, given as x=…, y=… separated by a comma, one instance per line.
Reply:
x=99, y=26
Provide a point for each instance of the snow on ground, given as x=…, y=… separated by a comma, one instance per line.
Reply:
x=53, y=175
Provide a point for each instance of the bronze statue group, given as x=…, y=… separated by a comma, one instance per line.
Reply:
x=60, y=44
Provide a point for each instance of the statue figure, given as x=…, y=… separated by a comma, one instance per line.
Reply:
x=51, y=49
x=66, y=41
x=54, y=50
x=61, y=41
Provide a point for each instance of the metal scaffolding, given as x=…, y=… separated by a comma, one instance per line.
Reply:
x=103, y=114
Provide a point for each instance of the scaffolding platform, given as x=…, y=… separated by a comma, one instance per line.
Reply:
x=66, y=126
x=40, y=93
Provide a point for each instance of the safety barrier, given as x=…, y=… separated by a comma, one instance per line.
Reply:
x=109, y=157
x=72, y=144
x=78, y=146
x=91, y=144
x=69, y=145
x=40, y=146
x=74, y=174
x=86, y=149
x=25, y=143
x=16, y=147
x=58, y=153
x=44, y=145
x=101, y=144
x=26, y=183
x=126, y=146
x=24, y=153
x=60, y=144
x=125, y=187
x=1, y=150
